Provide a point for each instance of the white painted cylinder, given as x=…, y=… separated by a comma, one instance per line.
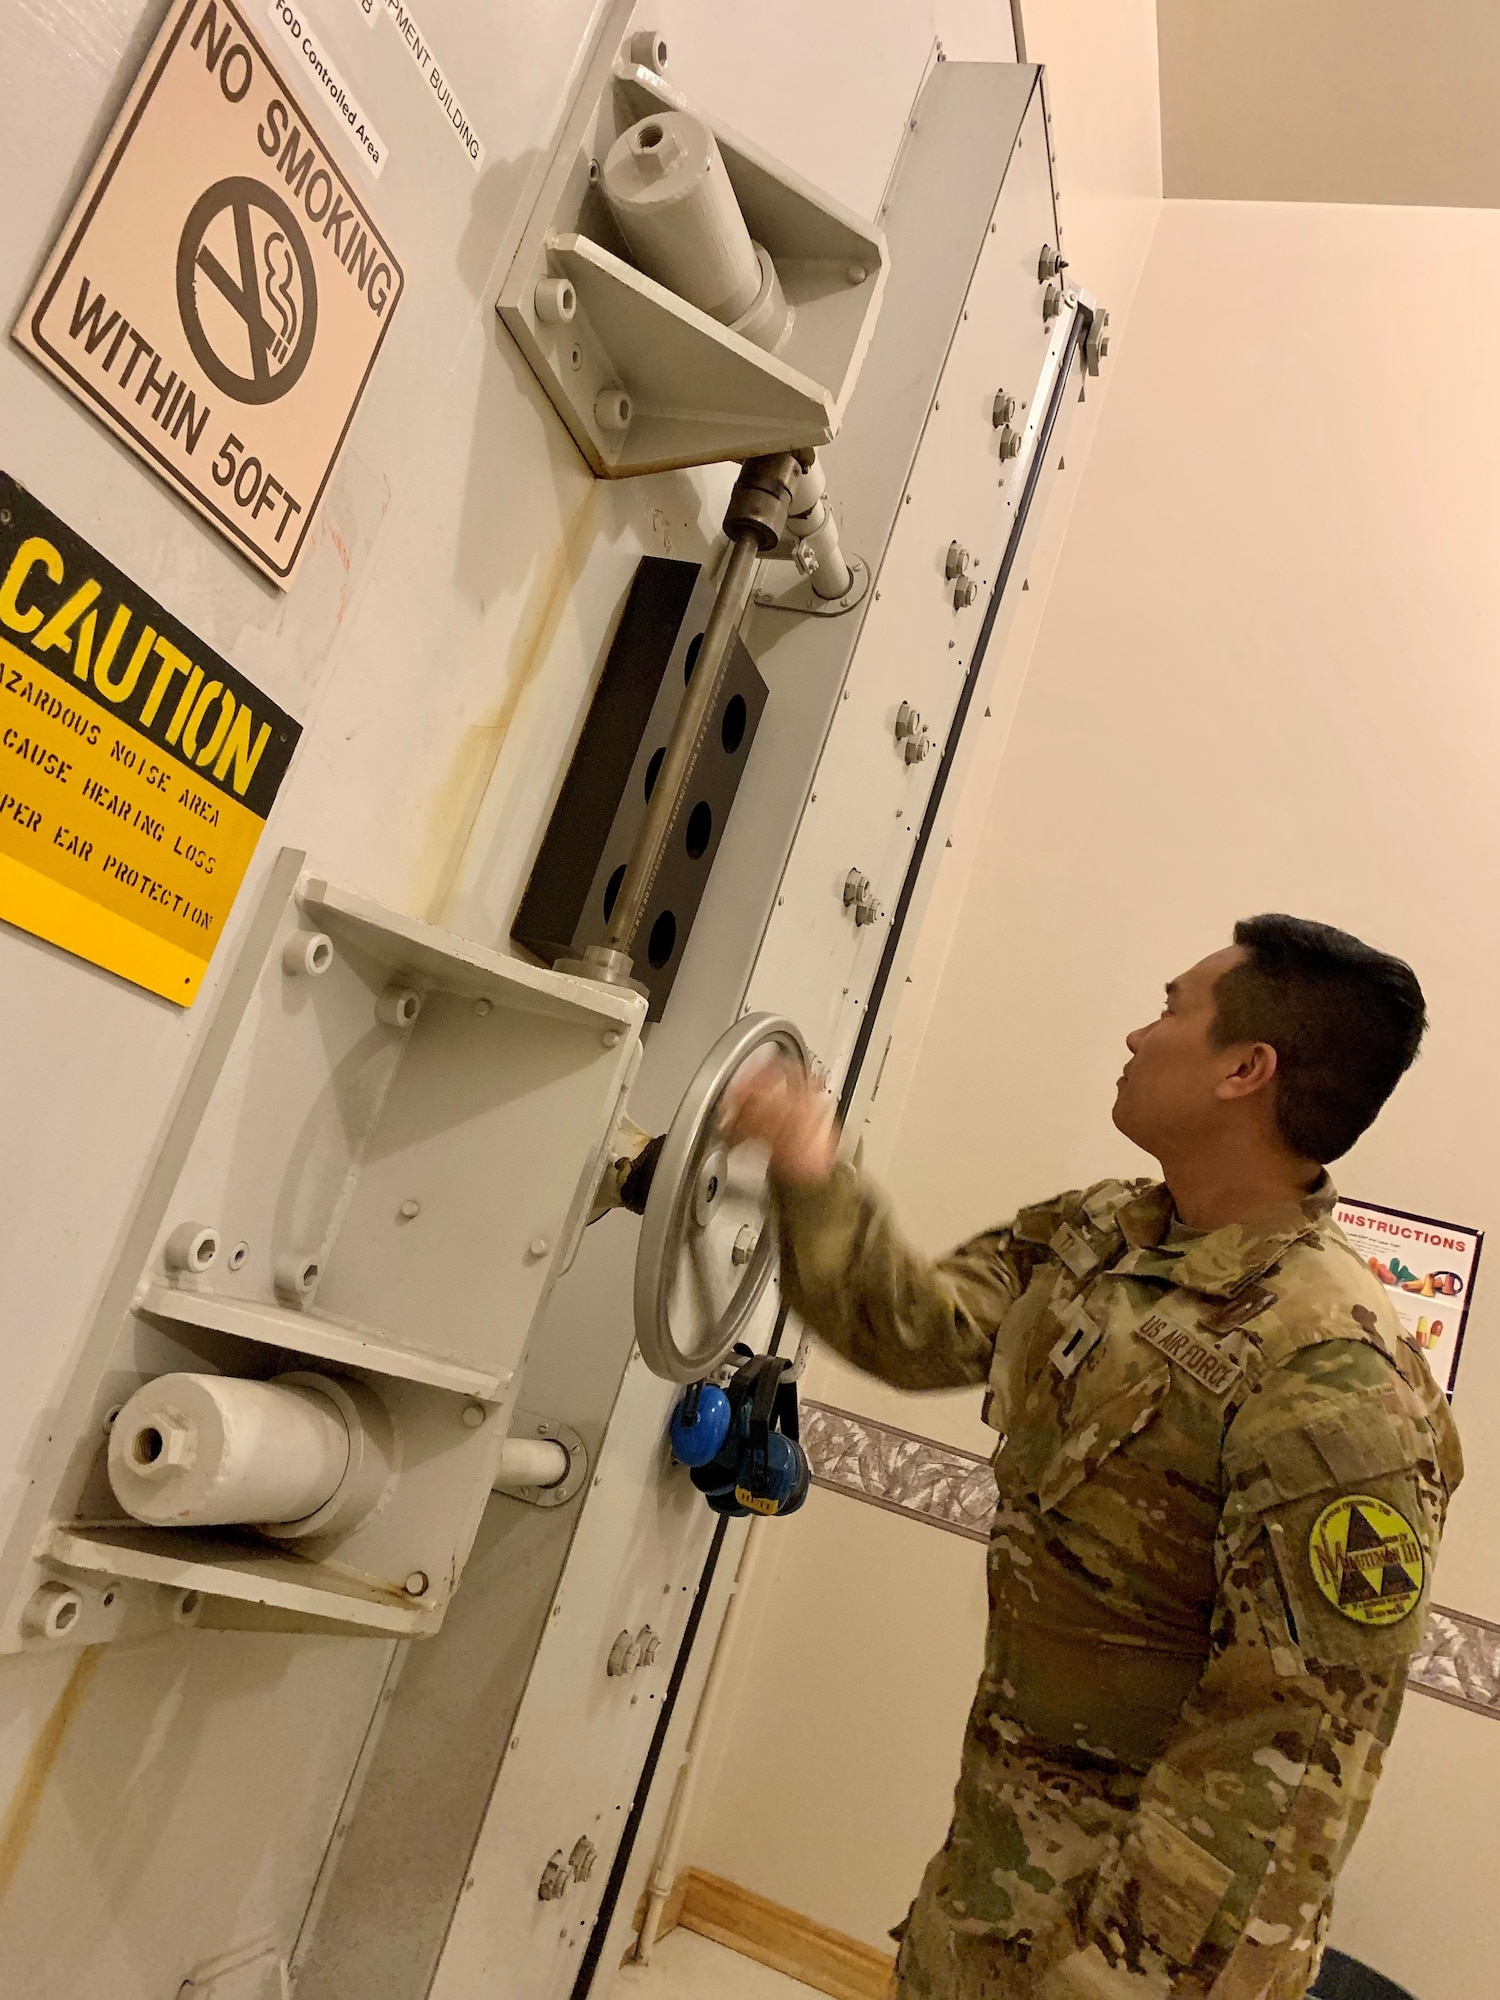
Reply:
x=665, y=182
x=190, y=1451
x=526, y=1462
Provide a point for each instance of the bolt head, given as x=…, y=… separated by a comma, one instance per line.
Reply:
x=744, y=1245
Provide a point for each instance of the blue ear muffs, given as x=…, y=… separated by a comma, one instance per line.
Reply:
x=759, y=1466
x=700, y=1424
x=772, y=1476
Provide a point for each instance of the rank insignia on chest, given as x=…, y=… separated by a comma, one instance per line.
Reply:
x=1197, y=1356
x=1366, y=1559
x=1081, y=1335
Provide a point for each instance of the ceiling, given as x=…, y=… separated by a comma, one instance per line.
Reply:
x=1394, y=101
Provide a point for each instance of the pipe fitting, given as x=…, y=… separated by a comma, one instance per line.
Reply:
x=760, y=504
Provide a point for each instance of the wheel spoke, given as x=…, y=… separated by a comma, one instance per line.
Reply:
x=698, y=1265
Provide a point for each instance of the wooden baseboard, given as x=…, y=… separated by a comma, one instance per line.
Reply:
x=824, y=1959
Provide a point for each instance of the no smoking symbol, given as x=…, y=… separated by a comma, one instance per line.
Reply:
x=246, y=290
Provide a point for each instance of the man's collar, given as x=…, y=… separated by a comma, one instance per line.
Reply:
x=1223, y=1260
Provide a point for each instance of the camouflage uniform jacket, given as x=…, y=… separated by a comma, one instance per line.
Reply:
x=1222, y=1481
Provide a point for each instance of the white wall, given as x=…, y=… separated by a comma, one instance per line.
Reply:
x=1264, y=680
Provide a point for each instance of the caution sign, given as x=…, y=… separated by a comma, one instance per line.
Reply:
x=136, y=767
x=219, y=293
x=1366, y=1560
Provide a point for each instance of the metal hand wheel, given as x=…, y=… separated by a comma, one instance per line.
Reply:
x=707, y=1238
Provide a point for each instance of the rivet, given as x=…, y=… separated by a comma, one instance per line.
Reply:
x=611, y=1038
x=538, y=1247
x=483, y=1007
x=416, y=1583
x=474, y=1415
x=410, y=1210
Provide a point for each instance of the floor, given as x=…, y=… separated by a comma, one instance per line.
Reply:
x=687, y=1967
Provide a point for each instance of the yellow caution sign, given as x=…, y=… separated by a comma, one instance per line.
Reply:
x=1366, y=1559
x=137, y=768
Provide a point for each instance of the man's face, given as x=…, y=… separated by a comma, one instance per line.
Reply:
x=1167, y=1094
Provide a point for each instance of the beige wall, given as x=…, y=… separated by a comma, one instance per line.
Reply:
x=1265, y=678
x=1331, y=100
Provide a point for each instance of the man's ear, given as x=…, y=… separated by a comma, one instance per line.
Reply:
x=1253, y=1067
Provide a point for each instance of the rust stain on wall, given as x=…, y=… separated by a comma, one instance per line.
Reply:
x=26, y=1801
x=450, y=819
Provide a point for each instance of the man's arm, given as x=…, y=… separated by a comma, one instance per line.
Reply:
x=1332, y=1519
x=915, y=1322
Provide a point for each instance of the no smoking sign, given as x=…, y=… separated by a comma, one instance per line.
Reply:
x=220, y=293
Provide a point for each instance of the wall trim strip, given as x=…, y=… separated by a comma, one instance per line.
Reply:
x=943, y=1487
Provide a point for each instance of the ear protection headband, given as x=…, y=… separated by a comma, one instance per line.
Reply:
x=759, y=1466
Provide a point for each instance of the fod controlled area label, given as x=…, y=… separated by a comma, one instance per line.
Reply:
x=219, y=293
x=136, y=767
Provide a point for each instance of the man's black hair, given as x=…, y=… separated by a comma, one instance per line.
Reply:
x=1344, y=1019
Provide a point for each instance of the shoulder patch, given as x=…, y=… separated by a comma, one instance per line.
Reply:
x=1366, y=1559
x=1207, y=1364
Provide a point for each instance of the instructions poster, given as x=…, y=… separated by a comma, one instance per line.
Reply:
x=1428, y=1268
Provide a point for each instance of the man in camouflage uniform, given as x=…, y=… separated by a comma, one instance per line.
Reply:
x=1222, y=1481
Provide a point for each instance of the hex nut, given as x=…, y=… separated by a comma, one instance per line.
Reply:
x=296, y=1277
x=398, y=1006
x=555, y=1879
x=964, y=593
x=556, y=301
x=647, y=48
x=51, y=1612
x=581, y=1860
x=613, y=409
x=307, y=954
x=168, y=1444
x=192, y=1247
